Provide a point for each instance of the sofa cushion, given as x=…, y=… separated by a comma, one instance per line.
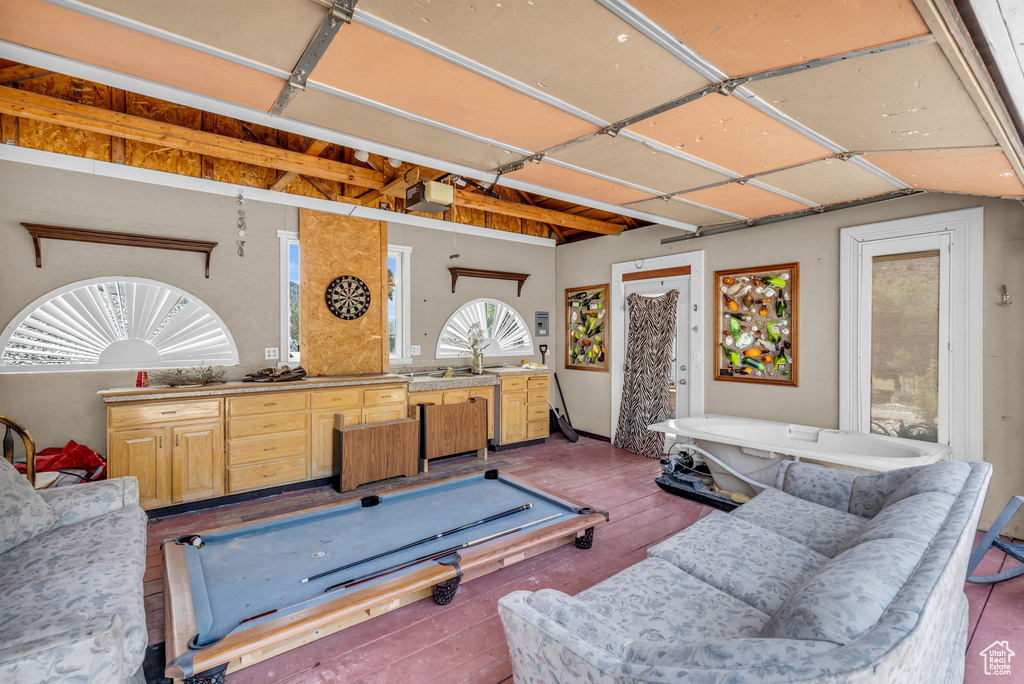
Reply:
x=849, y=594
x=817, y=527
x=582, y=620
x=714, y=653
x=72, y=590
x=947, y=477
x=90, y=499
x=656, y=601
x=826, y=486
x=748, y=562
x=23, y=513
x=917, y=518
x=82, y=544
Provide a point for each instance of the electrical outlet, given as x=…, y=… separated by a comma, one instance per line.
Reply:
x=270, y=353
x=415, y=350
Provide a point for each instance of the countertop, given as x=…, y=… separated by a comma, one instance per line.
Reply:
x=516, y=370
x=127, y=394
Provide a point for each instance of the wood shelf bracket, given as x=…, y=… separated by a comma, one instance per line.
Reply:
x=106, y=237
x=457, y=272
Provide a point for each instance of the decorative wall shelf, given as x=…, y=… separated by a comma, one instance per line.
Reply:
x=456, y=271
x=106, y=237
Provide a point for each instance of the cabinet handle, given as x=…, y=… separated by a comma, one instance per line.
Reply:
x=161, y=442
x=269, y=474
x=169, y=413
x=270, y=425
x=270, y=448
x=177, y=440
x=271, y=404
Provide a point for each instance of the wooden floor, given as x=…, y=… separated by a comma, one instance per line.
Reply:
x=464, y=642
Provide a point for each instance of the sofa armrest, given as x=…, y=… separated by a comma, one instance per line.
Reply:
x=90, y=652
x=90, y=499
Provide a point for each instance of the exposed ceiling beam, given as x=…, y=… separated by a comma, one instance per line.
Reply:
x=472, y=200
x=553, y=228
x=86, y=117
x=286, y=177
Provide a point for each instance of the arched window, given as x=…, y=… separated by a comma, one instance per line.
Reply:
x=505, y=331
x=115, y=322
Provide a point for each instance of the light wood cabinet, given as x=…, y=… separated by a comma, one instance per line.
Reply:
x=144, y=455
x=197, y=462
x=524, y=408
x=188, y=450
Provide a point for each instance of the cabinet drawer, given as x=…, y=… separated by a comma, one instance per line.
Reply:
x=266, y=474
x=416, y=398
x=270, y=424
x=275, y=402
x=512, y=384
x=536, y=429
x=335, y=399
x=538, y=382
x=261, y=449
x=387, y=395
x=536, y=412
x=537, y=397
x=459, y=396
x=379, y=414
x=163, y=412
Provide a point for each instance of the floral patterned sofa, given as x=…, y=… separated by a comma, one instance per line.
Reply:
x=71, y=566
x=831, y=577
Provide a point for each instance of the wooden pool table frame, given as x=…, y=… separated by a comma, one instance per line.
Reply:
x=276, y=636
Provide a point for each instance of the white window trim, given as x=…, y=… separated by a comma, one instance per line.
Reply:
x=964, y=387
x=695, y=260
x=529, y=351
x=286, y=237
x=403, y=341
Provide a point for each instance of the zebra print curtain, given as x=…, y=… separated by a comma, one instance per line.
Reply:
x=645, y=375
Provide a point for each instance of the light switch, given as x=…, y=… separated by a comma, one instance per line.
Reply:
x=415, y=350
x=270, y=353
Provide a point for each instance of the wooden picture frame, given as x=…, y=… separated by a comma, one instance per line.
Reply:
x=748, y=317
x=586, y=344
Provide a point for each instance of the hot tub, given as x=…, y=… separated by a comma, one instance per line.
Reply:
x=756, y=448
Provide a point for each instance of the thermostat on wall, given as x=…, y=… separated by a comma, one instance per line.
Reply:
x=541, y=325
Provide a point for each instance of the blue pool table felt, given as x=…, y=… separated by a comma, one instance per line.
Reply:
x=250, y=570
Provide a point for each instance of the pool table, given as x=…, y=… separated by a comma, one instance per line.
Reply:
x=236, y=595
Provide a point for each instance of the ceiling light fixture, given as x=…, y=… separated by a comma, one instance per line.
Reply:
x=395, y=163
x=361, y=155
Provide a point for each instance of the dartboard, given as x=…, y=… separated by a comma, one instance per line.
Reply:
x=348, y=297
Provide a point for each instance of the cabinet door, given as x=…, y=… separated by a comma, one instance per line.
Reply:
x=322, y=443
x=513, y=417
x=197, y=462
x=379, y=414
x=488, y=394
x=144, y=455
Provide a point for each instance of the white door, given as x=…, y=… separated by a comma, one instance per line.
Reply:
x=679, y=373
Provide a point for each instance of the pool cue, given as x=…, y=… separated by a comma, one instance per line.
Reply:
x=492, y=518
x=435, y=556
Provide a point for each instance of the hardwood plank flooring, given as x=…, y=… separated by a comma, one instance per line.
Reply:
x=463, y=642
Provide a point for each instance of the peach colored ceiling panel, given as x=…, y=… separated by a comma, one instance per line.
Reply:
x=901, y=99
x=360, y=120
x=631, y=161
x=272, y=33
x=749, y=36
x=682, y=211
x=978, y=172
x=384, y=69
x=730, y=133
x=745, y=200
x=578, y=52
x=43, y=26
x=567, y=180
x=828, y=181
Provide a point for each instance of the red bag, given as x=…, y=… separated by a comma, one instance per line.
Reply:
x=72, y=456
